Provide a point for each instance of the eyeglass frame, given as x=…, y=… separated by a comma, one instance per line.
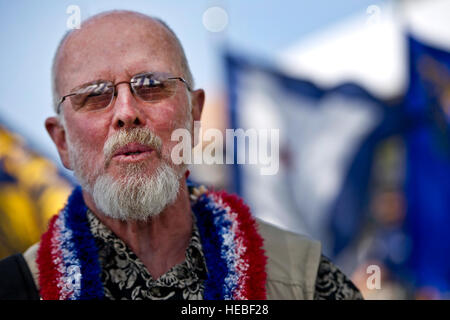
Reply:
x=114, y=85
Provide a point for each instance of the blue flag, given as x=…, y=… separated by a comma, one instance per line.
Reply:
x=428, y=167
x=326, y=141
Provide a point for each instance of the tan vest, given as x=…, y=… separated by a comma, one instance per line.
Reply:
x=293, y=261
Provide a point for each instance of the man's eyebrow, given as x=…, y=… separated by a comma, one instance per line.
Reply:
x=88, y=83
x=94, y=78
x=152, y=72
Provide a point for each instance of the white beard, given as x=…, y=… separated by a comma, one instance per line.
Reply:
x=133, y=196
x=137, y=198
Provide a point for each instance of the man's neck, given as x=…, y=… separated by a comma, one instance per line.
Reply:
x=161, y=241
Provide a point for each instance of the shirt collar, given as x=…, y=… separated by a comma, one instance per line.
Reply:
x=187, y=272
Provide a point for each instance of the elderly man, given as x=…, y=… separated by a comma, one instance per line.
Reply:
x=136, y=229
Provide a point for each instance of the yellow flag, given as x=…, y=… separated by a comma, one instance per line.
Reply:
x=31, y=191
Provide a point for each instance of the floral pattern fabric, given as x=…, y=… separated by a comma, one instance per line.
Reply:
x=125, y=277
x=333, y=284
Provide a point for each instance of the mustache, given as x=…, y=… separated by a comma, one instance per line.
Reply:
x=121, y=138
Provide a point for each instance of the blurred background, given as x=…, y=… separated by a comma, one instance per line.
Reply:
x=359, y=91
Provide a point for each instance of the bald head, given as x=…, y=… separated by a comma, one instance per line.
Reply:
x=115, y=45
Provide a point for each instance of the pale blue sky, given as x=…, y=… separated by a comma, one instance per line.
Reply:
x=30, y=31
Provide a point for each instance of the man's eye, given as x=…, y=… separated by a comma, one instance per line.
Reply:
x=148, y=82
x=155, y=83
x=95, y=93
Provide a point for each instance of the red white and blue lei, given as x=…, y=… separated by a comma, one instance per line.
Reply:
x=69, y=267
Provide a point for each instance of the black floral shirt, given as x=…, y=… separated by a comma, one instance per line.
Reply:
x=125, y=277
x=333, y=284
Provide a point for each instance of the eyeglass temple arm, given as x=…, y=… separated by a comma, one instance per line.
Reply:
x=58, y=108
x=182, y=80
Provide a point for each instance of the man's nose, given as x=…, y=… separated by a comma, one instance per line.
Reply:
x=127, y=112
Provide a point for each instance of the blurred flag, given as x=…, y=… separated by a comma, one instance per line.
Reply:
x=327, y=138
x=428, y=169
x=31, y=191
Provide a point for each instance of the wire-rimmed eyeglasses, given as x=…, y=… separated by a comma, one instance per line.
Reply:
x=148, y=86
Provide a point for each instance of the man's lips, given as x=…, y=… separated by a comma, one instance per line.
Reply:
x=132, y=151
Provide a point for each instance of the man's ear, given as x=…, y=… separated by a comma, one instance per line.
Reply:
x=198, y=100
x=58, y=135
